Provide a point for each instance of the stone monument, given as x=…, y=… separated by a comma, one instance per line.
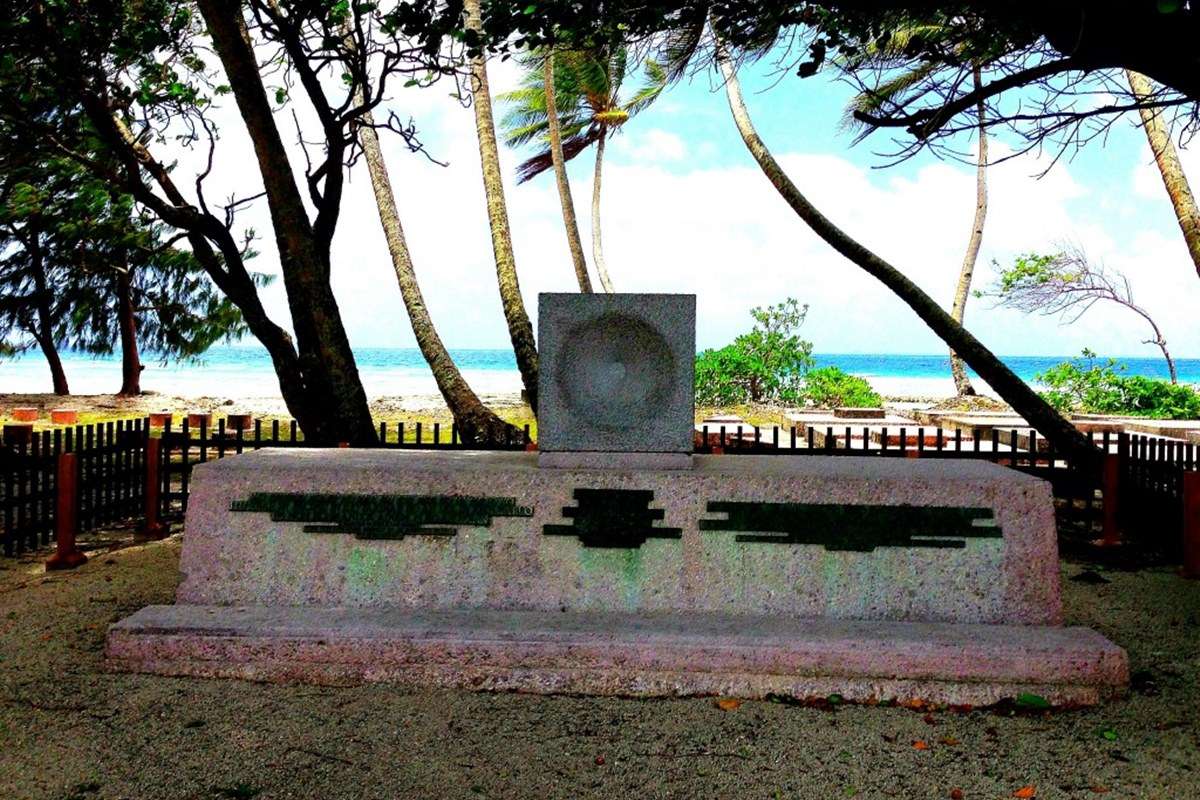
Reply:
x=616, y=382
x=615, y=562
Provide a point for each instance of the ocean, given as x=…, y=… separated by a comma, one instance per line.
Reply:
x=389, y=372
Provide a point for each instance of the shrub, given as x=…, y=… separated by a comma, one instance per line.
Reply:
x=1086, y=385
x=767, y=364
x=830, y=387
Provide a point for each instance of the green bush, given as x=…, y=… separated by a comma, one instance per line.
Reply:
x=1086, y=385
x=767, y=364
x=830, y=387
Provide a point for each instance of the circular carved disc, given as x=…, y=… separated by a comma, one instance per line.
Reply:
x=614, y=371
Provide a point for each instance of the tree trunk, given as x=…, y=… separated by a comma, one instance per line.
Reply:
x=330, y=374
x=520, y=330
x=476, y=423
x=131, y=364
x=1169, y=167
x=58, y=375
x=597, y=246
x=44, y=333
x=1036, y=411
x=574, y=244
x=962, y=384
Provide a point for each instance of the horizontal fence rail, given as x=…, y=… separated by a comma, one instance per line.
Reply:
x=1141, y=492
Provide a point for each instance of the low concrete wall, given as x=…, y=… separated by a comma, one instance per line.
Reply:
x=823, y=565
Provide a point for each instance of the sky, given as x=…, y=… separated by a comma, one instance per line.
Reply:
x=686, y=209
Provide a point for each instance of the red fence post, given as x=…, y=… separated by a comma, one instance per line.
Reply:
x=1191, y=524
x=66, y=519
x=153, y=528
x=1110, y=488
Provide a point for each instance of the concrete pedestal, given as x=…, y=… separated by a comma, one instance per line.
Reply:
x=748, y=575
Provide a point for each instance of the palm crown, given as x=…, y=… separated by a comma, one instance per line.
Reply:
x=587, y=87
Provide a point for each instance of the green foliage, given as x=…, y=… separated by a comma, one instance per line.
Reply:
x=1032, y=270
x=69, y=243
x=768, y=364
x=830, y=387
x=1089, y=386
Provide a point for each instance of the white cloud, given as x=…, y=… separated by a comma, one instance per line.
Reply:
x=674, y=224
x=652, y=145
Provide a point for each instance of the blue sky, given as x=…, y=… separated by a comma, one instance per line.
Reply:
x=686, y=210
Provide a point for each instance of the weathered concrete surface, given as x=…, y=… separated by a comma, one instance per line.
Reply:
x=244, y=558
x=616, y=372
x=584, y=459
x=621, y=654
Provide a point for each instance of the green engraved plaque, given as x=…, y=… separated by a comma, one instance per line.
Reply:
x=855, y=528
x=381, y=516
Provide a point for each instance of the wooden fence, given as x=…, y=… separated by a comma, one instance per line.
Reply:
x=109, y=479
x=1142, y=494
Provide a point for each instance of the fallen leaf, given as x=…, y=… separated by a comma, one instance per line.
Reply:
x=949, y=740
x=1032, y=702
x=956, y=794
x=728, y=703
x=1025, y=792
x=921, y=744
x=1098, y=789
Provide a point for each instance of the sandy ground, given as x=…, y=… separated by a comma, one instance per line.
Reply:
x=70, y=730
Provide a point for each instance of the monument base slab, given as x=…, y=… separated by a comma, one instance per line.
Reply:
x=624, y=654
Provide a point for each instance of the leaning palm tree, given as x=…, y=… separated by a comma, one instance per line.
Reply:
x=476, y=423
x=587, y=106
x=1169, y=167
x=520, y=330
x=1024, y=400
x=889, y=51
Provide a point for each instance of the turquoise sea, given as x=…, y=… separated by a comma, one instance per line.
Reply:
x=246, y=371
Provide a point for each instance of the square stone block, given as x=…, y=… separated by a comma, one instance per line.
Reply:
x=617, y=372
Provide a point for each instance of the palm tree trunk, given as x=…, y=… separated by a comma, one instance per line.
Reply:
x=574, y=244
x=131, y=364
x=962, y=384
x=1169, y=167
x=597, y=246
x=1065, y=437
x=477, y=424
x=520, y=330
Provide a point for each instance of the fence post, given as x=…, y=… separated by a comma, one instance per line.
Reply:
x=1191, y=524
x=153, y=528
x=66, y=518
x=1110, y=487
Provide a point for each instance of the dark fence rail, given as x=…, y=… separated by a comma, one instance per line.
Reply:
x=1140, y=492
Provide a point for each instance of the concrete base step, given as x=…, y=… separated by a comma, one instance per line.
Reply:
x=624, y=654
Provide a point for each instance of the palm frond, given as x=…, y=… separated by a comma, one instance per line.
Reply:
x=572, y=146
x=887, y=94
x=679, y=48
x=656, y=83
